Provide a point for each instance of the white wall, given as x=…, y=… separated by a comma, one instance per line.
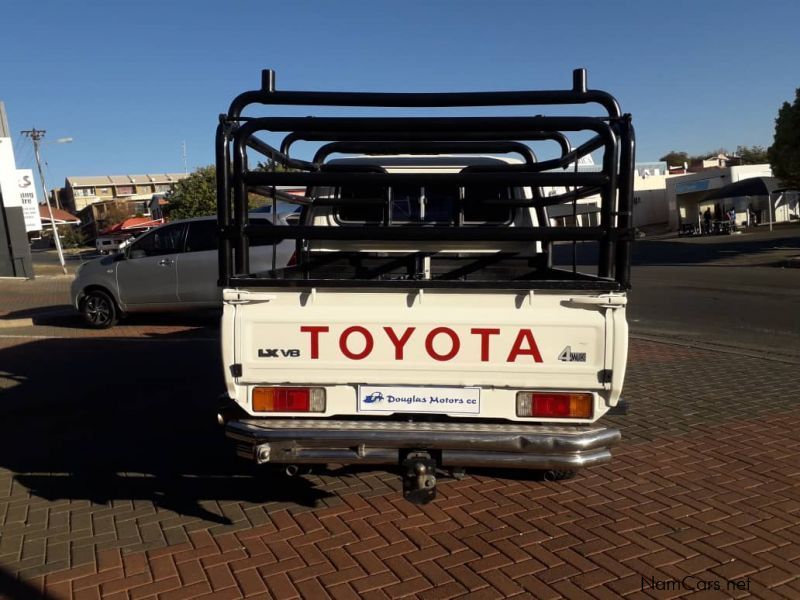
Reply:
x=649, y=200
x=748, y=171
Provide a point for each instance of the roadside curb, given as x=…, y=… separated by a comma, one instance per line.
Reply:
x=12, y=323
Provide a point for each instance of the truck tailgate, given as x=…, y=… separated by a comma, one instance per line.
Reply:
x=486, y=339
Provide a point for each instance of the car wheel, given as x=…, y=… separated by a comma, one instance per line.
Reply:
x=99, y=310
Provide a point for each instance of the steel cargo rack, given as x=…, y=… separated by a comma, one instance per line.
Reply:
x=610, y=133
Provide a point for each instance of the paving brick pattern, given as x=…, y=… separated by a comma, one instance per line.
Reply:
x=703, y=494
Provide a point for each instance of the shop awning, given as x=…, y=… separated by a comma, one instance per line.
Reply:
x=754, y=186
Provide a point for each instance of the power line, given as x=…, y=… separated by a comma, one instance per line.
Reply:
x=26, y=158
x=22, y=151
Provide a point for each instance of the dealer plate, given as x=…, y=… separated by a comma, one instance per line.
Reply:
x=419, y=399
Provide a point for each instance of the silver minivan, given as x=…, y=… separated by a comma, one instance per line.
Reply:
x=170, y=268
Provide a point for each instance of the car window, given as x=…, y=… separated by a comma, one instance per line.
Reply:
x=433, y=205
x=405, y=204
x=357, y=212
x=164, y=240
x=441, y=204
x=202, y=236
x=478, y=210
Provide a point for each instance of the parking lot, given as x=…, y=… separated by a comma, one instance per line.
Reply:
x=116, y=482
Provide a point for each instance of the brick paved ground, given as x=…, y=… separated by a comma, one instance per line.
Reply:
x=112, y=490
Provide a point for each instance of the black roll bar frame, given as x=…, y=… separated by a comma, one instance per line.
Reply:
x=613, y=132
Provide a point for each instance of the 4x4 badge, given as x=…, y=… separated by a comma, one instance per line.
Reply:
x=567, y=355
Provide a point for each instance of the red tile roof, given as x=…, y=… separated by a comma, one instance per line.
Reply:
x=134, y=223
x=59, y=215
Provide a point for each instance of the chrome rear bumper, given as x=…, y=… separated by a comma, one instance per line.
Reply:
x=315, y=441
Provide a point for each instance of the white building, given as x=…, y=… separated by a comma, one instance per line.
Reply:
x=80, y=192
x=689, y=195
x=649, y=199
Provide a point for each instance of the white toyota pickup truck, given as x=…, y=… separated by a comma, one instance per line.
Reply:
x=434, y=315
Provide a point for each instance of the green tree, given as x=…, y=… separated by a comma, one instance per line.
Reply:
x=272, y=165
x=71, y=236
x=752, y=155
x=784, y=154
x=674, y=158
x=194, y=196
x=715, y=153
x=114, y=213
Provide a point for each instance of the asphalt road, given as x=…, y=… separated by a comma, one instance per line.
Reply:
x=755, y=308
x=714, y=291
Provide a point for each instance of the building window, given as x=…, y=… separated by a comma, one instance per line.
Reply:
x=124, y=190
x=144, y=189
x=163, y=188
x=84, y=192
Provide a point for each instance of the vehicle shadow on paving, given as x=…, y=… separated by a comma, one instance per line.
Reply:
x=127, y=419
x=65, y=315
x=16, y=589
x=62, y=315
x=446, y=474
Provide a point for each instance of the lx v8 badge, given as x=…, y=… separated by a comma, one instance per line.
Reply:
x=278, y=353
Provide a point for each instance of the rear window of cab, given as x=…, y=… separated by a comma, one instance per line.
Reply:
x=430, y=205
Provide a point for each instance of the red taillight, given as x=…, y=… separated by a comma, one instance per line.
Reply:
x=555, y=405
x=278, y=399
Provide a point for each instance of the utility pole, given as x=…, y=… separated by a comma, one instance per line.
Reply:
x=36, y=135
x=185, y=164
x=4, y=130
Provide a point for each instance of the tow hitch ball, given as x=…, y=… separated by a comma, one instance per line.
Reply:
x=419, y=478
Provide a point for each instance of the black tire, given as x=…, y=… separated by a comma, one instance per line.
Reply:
x=99, y=310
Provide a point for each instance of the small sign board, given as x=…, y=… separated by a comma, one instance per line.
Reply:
x=8, y=175
x=419, y=399
x=685, y=187
x=27, y=196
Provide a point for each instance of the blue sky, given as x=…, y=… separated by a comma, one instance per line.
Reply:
x=131, y=81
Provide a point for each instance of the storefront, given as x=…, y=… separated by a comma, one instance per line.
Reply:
x=718, y=190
